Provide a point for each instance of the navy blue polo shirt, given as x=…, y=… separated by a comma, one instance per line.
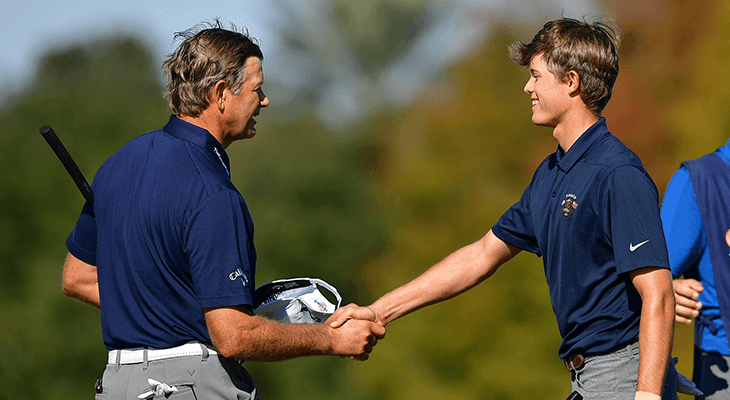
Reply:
x=169, y=234
x=592, y=214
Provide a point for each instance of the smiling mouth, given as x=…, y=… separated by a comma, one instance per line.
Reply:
x=534, y=102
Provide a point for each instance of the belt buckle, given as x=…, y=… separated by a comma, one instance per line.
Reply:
x=574, y=363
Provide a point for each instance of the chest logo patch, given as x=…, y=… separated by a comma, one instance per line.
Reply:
x=569, y=204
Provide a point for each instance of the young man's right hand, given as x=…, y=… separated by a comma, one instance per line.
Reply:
x=353, y=311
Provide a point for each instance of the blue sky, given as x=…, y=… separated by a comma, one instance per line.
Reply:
x=31, y=31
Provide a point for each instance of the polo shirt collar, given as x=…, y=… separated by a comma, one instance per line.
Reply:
x=198, y=136
x=581, y=145
x=724, y=152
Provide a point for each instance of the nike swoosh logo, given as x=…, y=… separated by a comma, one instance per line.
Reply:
x=632, y=247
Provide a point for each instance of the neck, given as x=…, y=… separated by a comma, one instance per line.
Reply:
x=569, y=130
x=210, y=124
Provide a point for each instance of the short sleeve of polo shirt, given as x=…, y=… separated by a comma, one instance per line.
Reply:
x=515, y=225
x=632, y=220
x=220, y=251
x=82, y=240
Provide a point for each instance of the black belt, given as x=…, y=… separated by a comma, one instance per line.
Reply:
x=574, y=363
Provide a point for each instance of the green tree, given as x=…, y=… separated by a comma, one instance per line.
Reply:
x=96, y=97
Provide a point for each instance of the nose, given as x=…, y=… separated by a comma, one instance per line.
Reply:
x=528, y=86
x=264, y=100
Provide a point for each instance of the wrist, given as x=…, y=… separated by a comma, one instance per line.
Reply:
x=646, y=396
x=330, y=348
x=379, y=314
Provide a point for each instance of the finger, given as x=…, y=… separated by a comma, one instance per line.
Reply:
x=363, y=313
x=686, y=312
x=688, y=288
x=686, y=291
x=694, y=285
x=377, y=330
x=337, y=321
x=351, y=311
x=682, y=320
x=340, y=316
x=687, y=303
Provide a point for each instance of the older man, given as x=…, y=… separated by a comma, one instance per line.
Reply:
x=170, y=240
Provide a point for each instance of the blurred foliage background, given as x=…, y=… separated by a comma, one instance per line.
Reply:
x=366, y=204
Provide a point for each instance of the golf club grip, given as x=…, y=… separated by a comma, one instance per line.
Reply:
x=67, y=162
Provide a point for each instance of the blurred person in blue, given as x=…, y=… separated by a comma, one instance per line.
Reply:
x=166, y=250
x=696, y=216
x=592, y=213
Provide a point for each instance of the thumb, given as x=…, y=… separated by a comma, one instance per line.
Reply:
x=339, y=317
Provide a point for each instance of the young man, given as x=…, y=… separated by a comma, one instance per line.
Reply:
x=591, y=212
x=170, y=240
x=696, y=216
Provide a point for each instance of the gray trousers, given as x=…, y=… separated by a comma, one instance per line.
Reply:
x=614, y=376
x=209, y=377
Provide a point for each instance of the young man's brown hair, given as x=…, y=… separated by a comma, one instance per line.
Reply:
x=590, y=49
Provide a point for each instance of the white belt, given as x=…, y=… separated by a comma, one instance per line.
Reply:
x=138, y=355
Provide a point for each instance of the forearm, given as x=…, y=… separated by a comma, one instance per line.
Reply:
x=237, y=333
x=460, y=271
x=439, y=283
x=656, y=336
x=271, y=341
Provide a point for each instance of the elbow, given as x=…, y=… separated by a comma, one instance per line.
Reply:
x=668, y=301
x=226, y=349
x=77, y=288
x=69, y=287
x=227, y=343
x=233, y=331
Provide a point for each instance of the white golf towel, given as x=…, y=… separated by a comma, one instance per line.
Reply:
x=296, y=301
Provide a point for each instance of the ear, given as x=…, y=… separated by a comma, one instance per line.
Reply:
x=572, y=79
x=218, y=95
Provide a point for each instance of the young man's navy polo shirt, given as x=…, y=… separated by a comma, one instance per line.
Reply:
x=169, y=234
x=593, y=215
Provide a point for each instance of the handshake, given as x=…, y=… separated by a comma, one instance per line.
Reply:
x=350, y=331
x=355, y=331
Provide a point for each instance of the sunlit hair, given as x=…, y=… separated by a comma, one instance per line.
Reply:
x=207, y=54
x=590, y=49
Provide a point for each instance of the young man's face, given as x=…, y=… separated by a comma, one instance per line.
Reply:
x=548, y=94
